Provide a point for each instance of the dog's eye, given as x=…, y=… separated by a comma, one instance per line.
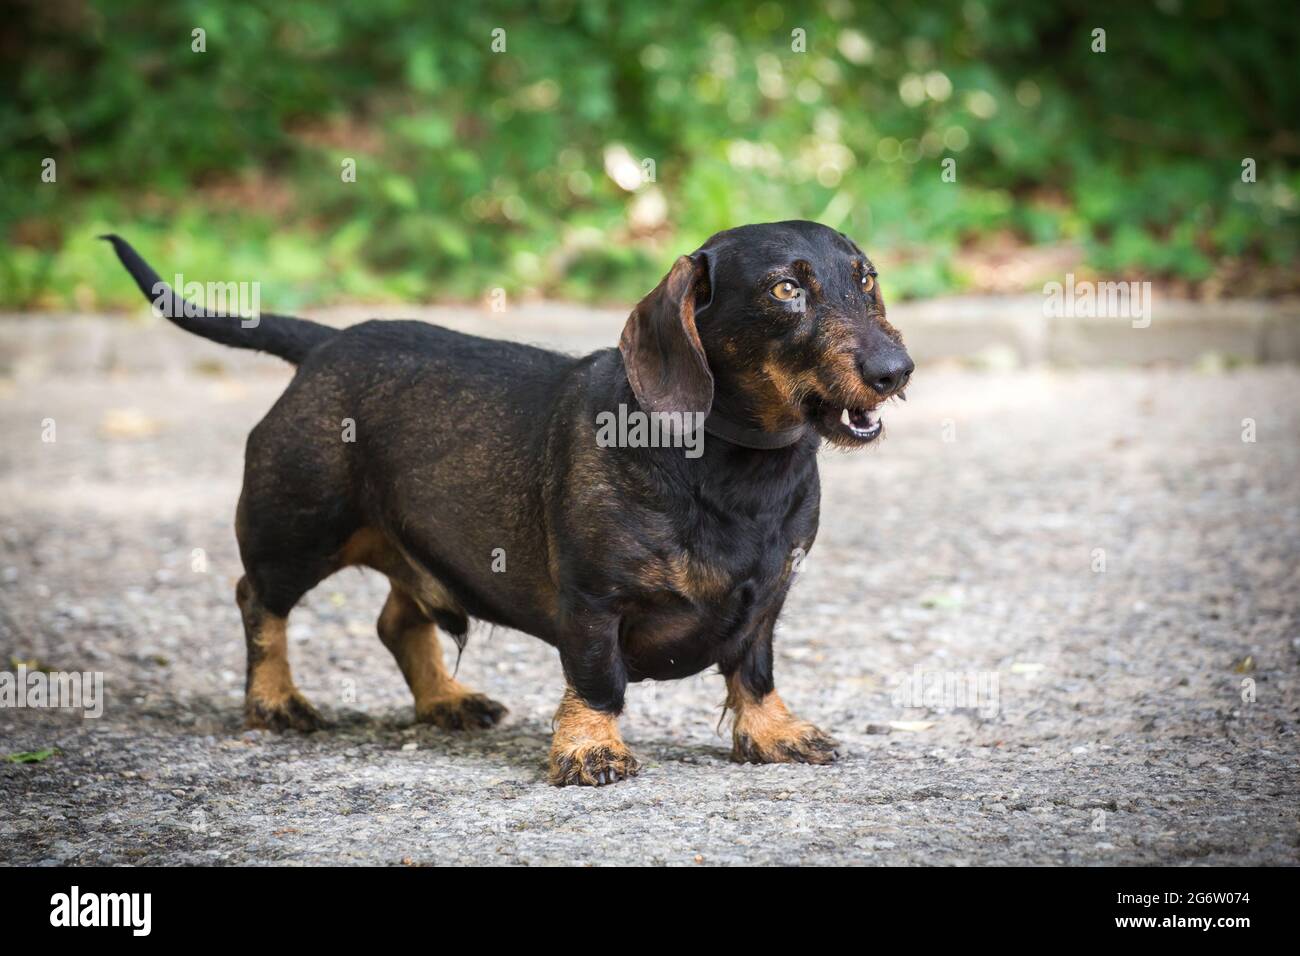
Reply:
x=785, y=290
x=868, y=283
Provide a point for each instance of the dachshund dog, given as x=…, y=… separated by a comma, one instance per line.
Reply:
x=523, y=487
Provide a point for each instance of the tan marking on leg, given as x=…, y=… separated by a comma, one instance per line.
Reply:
x=766, y=732
x=413, y=640
x=270, y=678
x=587, y=748
x=271, y=701
x=370, y=548
x=439, y=698
x=366, y=546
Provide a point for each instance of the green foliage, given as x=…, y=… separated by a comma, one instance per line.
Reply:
x=478, y=170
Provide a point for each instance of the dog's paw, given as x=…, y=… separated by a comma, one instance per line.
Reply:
x=291, y=712
x=467, y=711
x=593, y=765
x=795, y=741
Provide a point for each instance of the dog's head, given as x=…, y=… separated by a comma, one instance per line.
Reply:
x=773, y=325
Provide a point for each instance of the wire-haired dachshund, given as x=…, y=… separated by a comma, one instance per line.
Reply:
x=640, y=509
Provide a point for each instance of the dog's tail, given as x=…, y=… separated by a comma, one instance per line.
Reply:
x=283, y=335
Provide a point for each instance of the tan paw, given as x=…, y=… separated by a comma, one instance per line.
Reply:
x=794, y=742
x=593, y=765
x=766, y=732
x=467, y=711
x=290, y=711
x=587, y=749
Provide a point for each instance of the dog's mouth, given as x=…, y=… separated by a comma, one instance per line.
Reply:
x=844, y=424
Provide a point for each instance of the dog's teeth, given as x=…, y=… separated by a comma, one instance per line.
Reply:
x=844, y=418
x=902, y=395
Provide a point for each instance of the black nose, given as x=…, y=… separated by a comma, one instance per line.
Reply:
x=887, y=371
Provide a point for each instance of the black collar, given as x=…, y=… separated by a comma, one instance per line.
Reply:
x=746, y=437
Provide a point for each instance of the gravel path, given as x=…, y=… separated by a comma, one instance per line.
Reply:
x=1108, y=723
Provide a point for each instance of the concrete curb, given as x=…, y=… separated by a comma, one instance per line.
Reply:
x=993, y=331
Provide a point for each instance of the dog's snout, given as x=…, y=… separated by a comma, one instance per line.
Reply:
x=886, y=371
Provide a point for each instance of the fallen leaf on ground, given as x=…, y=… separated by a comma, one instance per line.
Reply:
x=1026, y=667
x=914, y=726
x=32, y=756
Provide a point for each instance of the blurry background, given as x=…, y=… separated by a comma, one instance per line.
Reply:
x=522, y=169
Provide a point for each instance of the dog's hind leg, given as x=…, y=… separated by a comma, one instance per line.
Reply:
x=412, y=636
x=271, y=700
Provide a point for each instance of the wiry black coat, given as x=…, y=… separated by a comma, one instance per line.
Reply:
x=473, y=454
x=474, y=477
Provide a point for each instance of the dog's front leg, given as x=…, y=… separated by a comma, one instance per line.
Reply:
x=587, y=748
x=763, y=729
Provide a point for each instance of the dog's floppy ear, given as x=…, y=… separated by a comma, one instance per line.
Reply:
x=661, y=348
